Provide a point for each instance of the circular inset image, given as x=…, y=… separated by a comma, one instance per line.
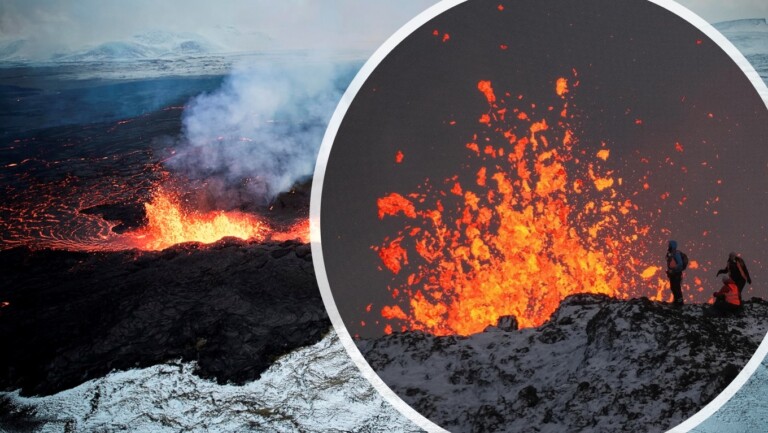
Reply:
x=522, y=212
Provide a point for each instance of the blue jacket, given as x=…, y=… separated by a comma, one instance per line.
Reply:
x=674, y=255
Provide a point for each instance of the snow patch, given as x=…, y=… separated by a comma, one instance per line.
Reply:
x=314, y=389
x=598, y=364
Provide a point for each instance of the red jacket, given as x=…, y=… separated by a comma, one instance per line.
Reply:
x=731, y=293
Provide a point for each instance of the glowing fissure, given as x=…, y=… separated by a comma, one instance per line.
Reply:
x=169, y=224
x=536, y=219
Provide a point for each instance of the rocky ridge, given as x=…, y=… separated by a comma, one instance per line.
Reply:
x=598, y=365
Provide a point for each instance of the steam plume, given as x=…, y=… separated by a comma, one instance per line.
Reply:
x=260, y=132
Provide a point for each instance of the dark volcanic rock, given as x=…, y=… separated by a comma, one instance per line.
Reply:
x=598, y=365
x=233, y=306
x=129, y=216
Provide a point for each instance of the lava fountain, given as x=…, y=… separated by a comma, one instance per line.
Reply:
x=533, y=218
x=168, y=223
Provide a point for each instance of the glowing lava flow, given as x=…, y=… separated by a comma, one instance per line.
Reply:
x=169, y=224
x=103, y=192
x=537, y=218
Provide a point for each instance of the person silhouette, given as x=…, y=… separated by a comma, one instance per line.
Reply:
x=736, y=269
x=675, y=273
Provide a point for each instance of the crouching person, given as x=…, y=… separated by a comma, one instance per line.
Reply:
x=727, y=300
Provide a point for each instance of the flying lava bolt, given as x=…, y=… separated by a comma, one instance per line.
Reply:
x=535, y=217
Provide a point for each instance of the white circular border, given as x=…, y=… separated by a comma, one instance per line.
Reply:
x=319, y=176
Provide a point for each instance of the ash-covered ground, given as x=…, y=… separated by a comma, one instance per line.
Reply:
x=598, y=365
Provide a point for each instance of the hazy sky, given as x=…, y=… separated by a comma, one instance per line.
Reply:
x=236, y=24
x=60, y=25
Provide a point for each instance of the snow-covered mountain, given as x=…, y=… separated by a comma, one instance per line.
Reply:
x=153, y=44
x=598, y=365
x=150, y=45
x=314, y=389
x=10, y=50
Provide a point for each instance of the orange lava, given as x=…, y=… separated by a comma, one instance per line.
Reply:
x=535, y=220
x=296, y=232
x=169, y=224
x=561, y=87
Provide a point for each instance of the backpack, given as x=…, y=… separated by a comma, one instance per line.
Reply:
x=685, y=260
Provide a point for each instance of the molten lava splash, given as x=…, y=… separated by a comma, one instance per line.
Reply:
x=296, y=232
x=169, y=224
x=536, y=219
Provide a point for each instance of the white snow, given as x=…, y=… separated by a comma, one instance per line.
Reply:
x=593, y=367
x=750, y=36
x=314, y=389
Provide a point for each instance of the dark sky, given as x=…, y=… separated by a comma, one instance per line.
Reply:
x=634, y=60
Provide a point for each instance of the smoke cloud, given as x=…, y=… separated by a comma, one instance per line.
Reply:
x=259, y=133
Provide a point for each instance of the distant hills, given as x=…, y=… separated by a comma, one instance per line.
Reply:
x=154, y=44
x=151, y=45
x=749, y=35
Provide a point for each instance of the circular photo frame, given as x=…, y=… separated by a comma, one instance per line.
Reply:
x=494, y=205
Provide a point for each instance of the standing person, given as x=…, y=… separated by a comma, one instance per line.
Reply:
x=737, y=270
x=675, y=273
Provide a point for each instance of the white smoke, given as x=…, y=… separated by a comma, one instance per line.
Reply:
x=260, y=132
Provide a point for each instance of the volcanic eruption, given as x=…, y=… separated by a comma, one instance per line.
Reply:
x=116, y=257
x=165, y=177
x=163, y=220
x=533, y=218
x=495, y=179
